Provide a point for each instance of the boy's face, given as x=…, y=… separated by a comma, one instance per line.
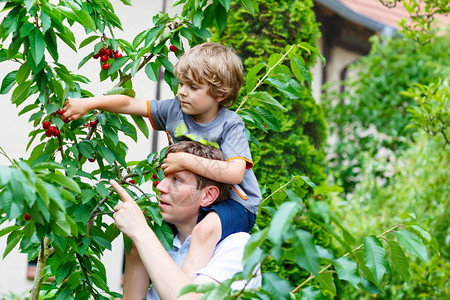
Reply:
x=195, y=101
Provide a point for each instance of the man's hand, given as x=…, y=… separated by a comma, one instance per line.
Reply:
x=75, y=108
x=128, y=216
x=175, y=162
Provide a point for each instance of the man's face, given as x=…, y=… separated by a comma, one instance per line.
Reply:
x=179, y=199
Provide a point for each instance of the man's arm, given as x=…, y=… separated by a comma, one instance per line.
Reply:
x=135, y=281
x=75, y=108
x=231, y=171
x=167, y=278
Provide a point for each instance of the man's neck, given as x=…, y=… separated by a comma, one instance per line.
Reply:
x=184, y=231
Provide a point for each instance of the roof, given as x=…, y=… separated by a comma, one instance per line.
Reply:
x=372, y=14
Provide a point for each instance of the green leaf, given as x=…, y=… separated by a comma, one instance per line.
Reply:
x=412, y=243
x=8, y=82
x=102, y=242
x=64, y=74
x=347, y=269
x=326, y=283
x=311, y=293
x=276, y=286
x=194, y=288
x=37, y=45
x=265, y=98
x=151, y=69
x=86, y=149
x=253, y=243
x=142, y=125
x=65, y=181
x=8, y=229
x=81, y=16
x=107, y=154
x=375, y=257
x=20, y=93
x=88, y=40
x=117, y=64
x=13, y=238
x=22, y=73
x=282, y=220
x=399, y=260
x=249, y=6
x=306, y=255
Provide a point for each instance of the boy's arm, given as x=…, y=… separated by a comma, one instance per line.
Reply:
x=75, y=108
x=230, y=172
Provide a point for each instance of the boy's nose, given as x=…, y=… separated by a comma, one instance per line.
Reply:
x=182, y=90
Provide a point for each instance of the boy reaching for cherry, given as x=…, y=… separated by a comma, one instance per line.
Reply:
x=210, y=77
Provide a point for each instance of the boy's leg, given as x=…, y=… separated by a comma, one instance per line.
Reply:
x=205, y=236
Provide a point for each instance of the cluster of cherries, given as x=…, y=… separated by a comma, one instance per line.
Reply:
x=51, y=130
x=106, y=53
x=154, y=176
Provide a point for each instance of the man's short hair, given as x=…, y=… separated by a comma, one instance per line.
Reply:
x=205, y=151
x=215, y=65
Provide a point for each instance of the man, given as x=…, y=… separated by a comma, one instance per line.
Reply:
x=182, y=194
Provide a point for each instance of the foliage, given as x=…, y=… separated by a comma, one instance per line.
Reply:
x=372, y=116
x=422, y=13
x=295, y=146
x=420, y=184
x=367, y=266
x=66, y=227
x=432, y=111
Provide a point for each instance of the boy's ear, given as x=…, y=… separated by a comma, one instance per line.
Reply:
x=209, y=195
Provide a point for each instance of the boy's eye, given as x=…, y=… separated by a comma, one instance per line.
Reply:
x=194, y=87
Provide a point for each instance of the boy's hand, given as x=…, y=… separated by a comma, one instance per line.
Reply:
x=75, y=108
x=174, y=162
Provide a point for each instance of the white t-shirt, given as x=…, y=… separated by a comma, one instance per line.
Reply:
x=226, y=261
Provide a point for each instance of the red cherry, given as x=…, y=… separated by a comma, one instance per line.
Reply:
x=96, y=56
x=46, y=124
x=27, y=217
x=56, y=132
x=154, y=176
x=104, y=58
x=91, y=159
x=173, y=48
x=101, y=52
x=93, y=123
x=66, y=120
x=117, y=55
x=132, y=181
x=108, y=52
x=105, y=66
x=60, y=112
x=155, y=183
x=49, y=132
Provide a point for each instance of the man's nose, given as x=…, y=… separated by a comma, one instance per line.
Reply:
x=162, y=186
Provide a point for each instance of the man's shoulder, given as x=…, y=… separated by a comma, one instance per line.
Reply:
x=235, y=240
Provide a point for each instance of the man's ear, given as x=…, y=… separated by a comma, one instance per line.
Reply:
x=209, y=195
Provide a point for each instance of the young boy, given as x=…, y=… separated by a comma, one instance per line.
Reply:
x=210, y=77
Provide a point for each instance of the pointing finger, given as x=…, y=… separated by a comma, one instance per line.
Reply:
x=121, y=191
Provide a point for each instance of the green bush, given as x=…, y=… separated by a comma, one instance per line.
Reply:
x=421, y=184
x=371, y=117
x=298, y=147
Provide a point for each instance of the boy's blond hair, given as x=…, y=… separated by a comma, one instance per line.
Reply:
x=215, y=65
